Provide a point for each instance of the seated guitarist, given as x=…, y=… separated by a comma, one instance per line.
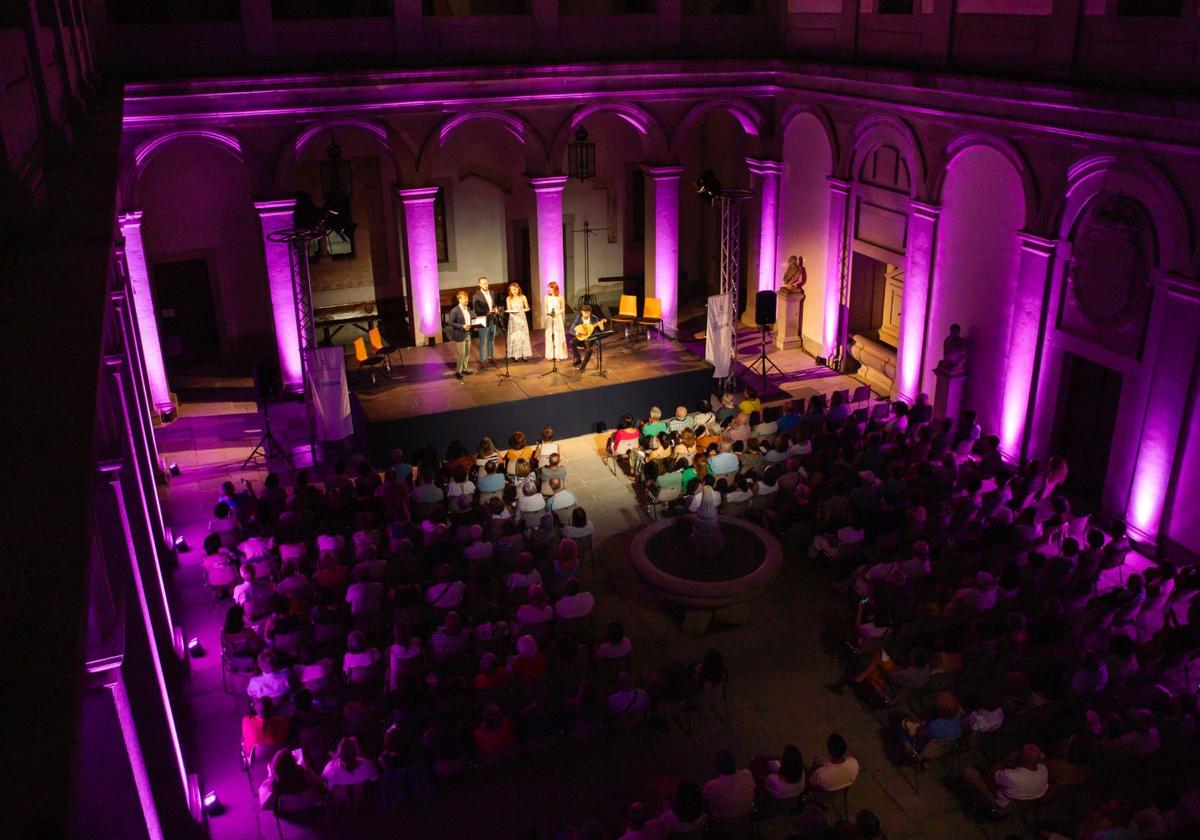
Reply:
x=582, y=327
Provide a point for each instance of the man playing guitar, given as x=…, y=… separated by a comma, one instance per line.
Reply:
x=582, y=327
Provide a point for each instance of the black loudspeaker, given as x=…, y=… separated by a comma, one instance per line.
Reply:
x=268, y=383
x=764, y=308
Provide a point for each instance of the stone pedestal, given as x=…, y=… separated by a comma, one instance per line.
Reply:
x=789, y=318
x=948, y=397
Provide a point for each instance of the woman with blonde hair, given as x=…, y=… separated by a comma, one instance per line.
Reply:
x=556, y=334
x=517, y=345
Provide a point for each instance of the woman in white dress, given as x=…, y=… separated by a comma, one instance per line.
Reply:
x=518, y=328
x=556, y=334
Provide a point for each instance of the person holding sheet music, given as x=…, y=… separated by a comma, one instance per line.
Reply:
x=486, y=310
x=459, y=324
x=585, y=323
x=552, y=319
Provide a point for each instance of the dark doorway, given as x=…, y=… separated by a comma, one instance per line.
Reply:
x=1089, y=395
x=868, y=279
x=521, y=269
x=187, y=318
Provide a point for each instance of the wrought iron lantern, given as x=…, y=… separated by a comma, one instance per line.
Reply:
x=336, y=182
x=581, y=156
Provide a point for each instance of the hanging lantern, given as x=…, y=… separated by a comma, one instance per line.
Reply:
x=336, y=182
x=581, y=156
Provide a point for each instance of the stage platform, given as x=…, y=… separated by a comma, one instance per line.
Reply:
x=423, y=403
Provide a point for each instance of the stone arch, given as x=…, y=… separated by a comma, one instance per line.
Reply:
x=145, y=152
x=1137, y=179
x=531, y=142
x=391, y=144
x=822, y=118
x=654, y=139
x=751, y=119
x=878, y=130
x=1006, y=149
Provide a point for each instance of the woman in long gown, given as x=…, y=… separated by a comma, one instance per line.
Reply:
x=556, y=334
x=518, y=328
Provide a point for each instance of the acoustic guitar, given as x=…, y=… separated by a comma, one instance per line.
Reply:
x=584, y=331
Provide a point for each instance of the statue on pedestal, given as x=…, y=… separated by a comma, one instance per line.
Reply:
x=954, y=353
x=794, y=277
x=706, y=537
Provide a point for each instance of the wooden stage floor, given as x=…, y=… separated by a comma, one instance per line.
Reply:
x=426, y=384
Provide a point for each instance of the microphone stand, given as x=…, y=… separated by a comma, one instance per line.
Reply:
x=506, y=376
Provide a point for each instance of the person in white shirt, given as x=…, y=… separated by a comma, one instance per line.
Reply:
x=479, y=552
x=426, y=491
x=459, y=484
x=225, y=525
x=253, y=594
x=531, y=501
x=731, y=794
x=444, y=593
x=628, y=699
x=349, y=770
x=579, y=527
x=724, y=462
x=560, y=497
x=365, y=596
x=618, y=645
x=785, y=779
x=1020, y=778
x=574, y=603
x=403, y=655
x=537, y=611
x=839, y=771
x=359, y=654
x=270, y=683
x=525, y=574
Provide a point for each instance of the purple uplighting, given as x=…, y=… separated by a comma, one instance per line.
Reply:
x=665, y=185
x=275, y=216
x=422, y=259
x=143, y=306
x=768, y=172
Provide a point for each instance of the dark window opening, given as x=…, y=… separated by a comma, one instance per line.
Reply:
x=308, y=9
x=473, y=8
x=1150, y=8
x=895, y=7
x=173, y=11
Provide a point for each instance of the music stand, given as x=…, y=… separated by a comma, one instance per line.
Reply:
x=599, y=337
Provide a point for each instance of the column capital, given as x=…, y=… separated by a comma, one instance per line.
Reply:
x=1179, y=288
x=275, y=207
x=133, y=218
x=1036, y=243
x=765, y=167
x=838, y=185
x=548, y=183
x=925, y=210
x=417, y=195
x=110, y=468
x=661, y=173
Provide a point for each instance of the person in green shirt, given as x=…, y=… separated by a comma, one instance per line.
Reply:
x=655, y=425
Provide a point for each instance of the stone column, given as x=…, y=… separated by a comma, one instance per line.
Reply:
x=420, y=243
x=137, y=761
x=143, y=308
x=1032, y=283
x=767, y=173
x=662, y=240
x=918, y=271
x=547, y=195
x=836, y=264
x=1163, y=431
x=275, y=216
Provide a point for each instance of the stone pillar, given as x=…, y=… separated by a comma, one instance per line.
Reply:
x=547, y=195
x=1032, y=283
x=137, y=761
x=767, y=173
x=836, y=264
x=420, y=243
x=1163, y=431
x=137, y=367
x=789, y=314
x=143, y=308
x=662, y=240
x=948, y=393
x=914, y=307
x=275, y=216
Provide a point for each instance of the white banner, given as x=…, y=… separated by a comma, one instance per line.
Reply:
x=718, y=339
x=328, y=392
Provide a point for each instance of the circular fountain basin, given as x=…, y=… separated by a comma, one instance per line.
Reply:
x=663, y=557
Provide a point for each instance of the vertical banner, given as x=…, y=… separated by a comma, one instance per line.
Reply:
x=718, y=339
x=329, y=393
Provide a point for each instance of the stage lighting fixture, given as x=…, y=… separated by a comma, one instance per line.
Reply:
x=212, y=804
x=181, y=545
x=708, y=186
x=337, y=217
x=174, y=468
x=194, y=648
x=306, y=215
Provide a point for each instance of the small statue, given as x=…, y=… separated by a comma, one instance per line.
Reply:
x=795, y=276
x=954, y=353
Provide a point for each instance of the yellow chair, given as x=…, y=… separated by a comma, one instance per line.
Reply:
x=652, y=315
x=366, y=360
x=384, y=350
x=626, y=313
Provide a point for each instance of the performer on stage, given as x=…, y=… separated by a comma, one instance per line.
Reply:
x=582, y=327
x=484, y=306
x=552, y=317
x=517, y=345
x=459, y=322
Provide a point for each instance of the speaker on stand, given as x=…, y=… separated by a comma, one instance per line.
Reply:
x=764, y=316
x=268, y=384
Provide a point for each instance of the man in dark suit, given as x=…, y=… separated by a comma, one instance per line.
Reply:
x=588, y=318
x=482, y=305
x=459, y=324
